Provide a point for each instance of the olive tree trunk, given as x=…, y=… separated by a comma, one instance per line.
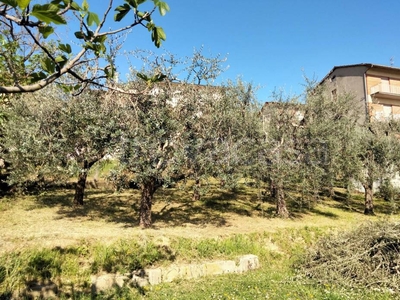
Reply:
x=148, y=188
x=281, y=209
x=81, y=183
x=196, y=190
x=369, y=196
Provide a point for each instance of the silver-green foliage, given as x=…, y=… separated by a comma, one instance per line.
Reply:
x=50, y=134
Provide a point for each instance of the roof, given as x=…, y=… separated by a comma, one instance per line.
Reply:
x=368, y=65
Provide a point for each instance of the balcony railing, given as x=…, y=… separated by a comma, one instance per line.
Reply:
x=385, y=89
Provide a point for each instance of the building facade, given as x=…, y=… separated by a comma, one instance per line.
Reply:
x=376, y=89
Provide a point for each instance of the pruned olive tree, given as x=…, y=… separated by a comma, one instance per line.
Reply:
x=52, y=136
x=278, y=152
x=309, y=147
x=180, y=130
x=328, y=139
x=378, y=152
x=33, y=56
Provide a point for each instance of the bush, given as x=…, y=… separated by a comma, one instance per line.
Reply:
x=366, y=257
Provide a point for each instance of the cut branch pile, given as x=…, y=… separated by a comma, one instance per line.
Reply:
x=368, y=256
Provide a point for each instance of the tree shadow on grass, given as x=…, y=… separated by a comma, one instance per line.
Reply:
x=172, y=207
x=210, y=210
x=356, y=203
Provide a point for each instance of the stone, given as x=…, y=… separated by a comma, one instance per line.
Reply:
x=139, y=281
x=248, y=262
x=121, y=280
x=192, y=271
x=171, y=273
x=154, y=276
x=214, y=268
x=103, y=283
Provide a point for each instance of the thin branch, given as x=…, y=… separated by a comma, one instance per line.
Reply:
x=137, y=22
x=104, y=18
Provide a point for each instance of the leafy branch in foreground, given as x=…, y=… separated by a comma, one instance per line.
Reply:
x=30, y=61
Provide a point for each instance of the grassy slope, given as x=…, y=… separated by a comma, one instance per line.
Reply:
x=48, y=220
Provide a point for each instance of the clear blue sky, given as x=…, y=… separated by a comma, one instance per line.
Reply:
x=272, y=43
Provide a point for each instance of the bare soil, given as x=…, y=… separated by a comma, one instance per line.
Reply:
x=50, y=220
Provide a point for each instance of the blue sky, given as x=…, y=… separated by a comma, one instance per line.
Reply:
x=273, y=43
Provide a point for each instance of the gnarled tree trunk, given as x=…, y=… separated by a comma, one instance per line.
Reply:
x=281, y=209
x=196, y=190
x=81, y=183
x=148, y=188
x=368, y=196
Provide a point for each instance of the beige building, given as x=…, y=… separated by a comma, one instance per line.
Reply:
x=376, y=88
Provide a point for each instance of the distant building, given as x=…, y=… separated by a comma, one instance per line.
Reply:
x=376, y=89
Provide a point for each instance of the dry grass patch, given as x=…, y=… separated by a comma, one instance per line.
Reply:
x=49, y=219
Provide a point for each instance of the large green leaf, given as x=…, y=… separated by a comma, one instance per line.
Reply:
x=161, y=33
x=85, y=5
x=79, y=35
x=46, y=31
x=61, y=60
x=122, y=10
x=34, y=77
x=47, y=13
x=23, y=3
x=75, y=6
x=132, y=3
x=100, y=39
x=47, y=65
x=157, y=35
x=135, y=3
x=92, y=18
x=65, y=48
x=142, y=76
x=162, y=7
x=12, y=3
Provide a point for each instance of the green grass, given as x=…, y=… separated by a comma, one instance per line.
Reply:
x=278, y=246
x=277, y=279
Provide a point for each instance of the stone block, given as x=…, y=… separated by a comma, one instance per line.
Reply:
x=121, y=280
x=248, y=262
x=197, y=271
x=103, y=283
x=171, y=273
x=139, y=281
x=214, y=268
x=154, y=276
x=228, y=266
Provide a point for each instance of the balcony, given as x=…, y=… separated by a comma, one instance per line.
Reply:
x=386, y=91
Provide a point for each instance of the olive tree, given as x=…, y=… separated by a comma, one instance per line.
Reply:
x=308, y=146
x=51, y=135
x=278, y=152
x=378, y=152
x=180, y=130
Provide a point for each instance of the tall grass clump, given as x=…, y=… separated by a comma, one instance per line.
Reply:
x=211, y=248
x=128, y=255
x=16, y=269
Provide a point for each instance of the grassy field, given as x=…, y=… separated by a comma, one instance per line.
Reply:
x=75, y=242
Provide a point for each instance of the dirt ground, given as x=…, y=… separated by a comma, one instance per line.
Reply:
x=49, y=220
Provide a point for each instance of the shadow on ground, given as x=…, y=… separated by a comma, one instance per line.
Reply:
x=174, y=207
